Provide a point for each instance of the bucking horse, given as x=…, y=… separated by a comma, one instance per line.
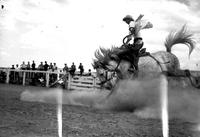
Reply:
x=111, y=66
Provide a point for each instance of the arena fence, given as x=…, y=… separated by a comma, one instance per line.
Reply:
x=48, y=79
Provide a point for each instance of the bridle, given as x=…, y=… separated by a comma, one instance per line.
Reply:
x=113, y=73
x=188, y=74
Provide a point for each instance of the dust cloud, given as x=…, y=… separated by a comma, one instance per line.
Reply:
x=141, y=97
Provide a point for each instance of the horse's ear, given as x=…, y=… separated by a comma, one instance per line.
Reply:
x=98, y=55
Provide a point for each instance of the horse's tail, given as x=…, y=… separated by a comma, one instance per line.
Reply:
x=180, y=37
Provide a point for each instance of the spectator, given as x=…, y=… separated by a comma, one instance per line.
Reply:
x=46, y=66
x=17, y=67
x=65, y=69
x=41, y=66
x=13, y=67
x=23, y=66
x=81, y=69
x=28, y=66
x=18, y=74
x=33, y=68
x=54, y=67
x=51, y=66
x=33, y=65
x=51, y=76
x=89, y=72
x=12, y=74
x=72, y=69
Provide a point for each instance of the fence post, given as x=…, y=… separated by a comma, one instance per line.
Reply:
x=69, y=81
x=47, y=79
x=7, y=76
x=94, y=82
x=58, y=75
x=24, y=78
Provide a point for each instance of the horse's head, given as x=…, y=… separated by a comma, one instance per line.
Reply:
x=110, y=67
x=106, y=71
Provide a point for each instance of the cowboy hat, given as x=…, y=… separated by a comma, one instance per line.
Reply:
x=128, y=18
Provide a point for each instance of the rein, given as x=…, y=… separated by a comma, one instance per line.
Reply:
x=126, y=37
x=158, y=62
x=188, y=74
x=103, y=82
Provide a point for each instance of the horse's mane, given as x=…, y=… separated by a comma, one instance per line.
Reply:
x=103, y=56
x=183, y=36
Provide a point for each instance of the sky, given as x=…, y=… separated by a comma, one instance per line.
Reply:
x=66, y=31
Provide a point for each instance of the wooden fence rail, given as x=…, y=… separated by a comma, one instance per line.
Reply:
x=76, y=82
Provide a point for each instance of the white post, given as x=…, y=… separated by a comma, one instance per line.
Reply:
x=94, y=82
x=7, y=76
x=58, y=75
x=69, y=81
x=47, y=79
x=24, y=78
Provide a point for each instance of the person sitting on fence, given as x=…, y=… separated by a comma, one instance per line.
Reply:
x=41, y=66
x=17, y=67
x=17, y=74
x=13, y=67
x=65, y=69
x=28, y=66
x=89, y=72
x=33, y=68
x=72, y=69
x=51, y=67
x=12, y=74
x=51, y=75
x=23, y=66
x=55, y=68
x=33, y=65
x=81, y=69
x=46, y=66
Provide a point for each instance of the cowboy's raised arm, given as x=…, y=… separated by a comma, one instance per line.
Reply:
x=139, y=17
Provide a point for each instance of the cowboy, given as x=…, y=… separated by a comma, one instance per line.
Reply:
x=135, y=26
x=132, y=52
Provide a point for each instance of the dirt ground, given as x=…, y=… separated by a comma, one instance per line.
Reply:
x=32, y=119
